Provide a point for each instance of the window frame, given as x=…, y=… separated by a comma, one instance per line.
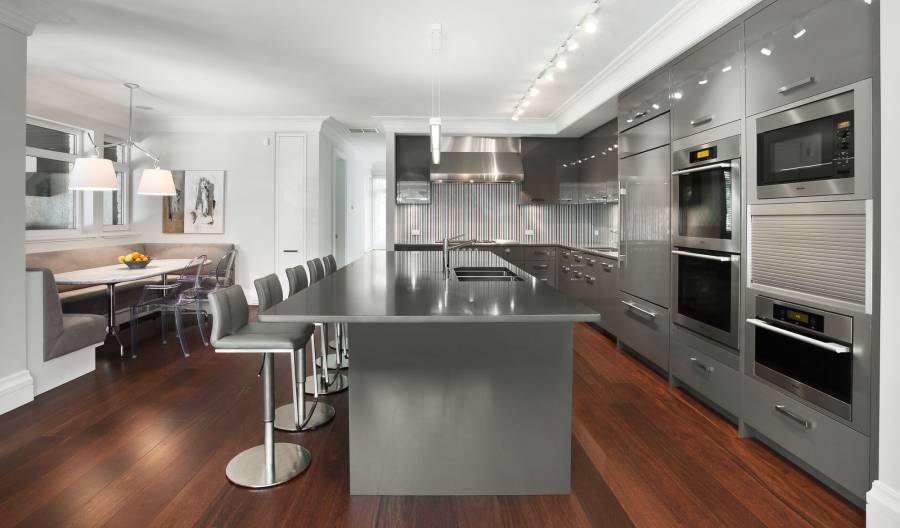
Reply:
x=123, y=167
x=78, y=221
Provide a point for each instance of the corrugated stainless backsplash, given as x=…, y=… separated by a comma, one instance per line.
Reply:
x=818, y=254
x=492, y=212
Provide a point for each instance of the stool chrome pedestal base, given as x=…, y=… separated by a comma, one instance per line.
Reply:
x=332, y=362
x=339, y=383
x=285, y=420
x=248, y=468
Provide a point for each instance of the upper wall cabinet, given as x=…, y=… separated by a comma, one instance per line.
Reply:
x=645, y=101
x=549, y=174
x=599, y=170
x=706, y=86
x=799, y=48
x=413, y=175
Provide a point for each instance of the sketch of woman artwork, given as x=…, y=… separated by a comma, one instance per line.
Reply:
x=173, y=206
x=204, y=202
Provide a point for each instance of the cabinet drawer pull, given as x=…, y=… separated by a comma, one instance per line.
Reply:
x=834, y=347
x=638, y=115
x=541, y=266
x=701, y=366
x=290, y=251
x=588, y=279
x=638, y=308
x=702, y=120
x=607, y=267
x=806, y=424
x=793, y=86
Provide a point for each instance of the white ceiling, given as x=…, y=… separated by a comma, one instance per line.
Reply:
x=350, y=59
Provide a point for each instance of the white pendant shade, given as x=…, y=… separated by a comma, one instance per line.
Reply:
x=157, y=182
x=93, y=174
x=435, y=126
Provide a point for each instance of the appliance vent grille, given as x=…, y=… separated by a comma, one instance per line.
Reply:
x=817, y=254
x=363, y=130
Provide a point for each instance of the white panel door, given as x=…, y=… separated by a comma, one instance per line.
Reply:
x=290, y=202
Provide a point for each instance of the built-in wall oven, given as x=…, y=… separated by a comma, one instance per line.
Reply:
x=706, y=196
x=811, y=353
x=706, y=227
x=819, y=147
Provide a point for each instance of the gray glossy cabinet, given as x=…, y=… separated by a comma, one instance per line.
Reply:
x=644, y=206
x=599, y=171
x=605, y=299
x=707, y=368
x=649, y=135
x=833, y=449
x=550, y=175
x=644, y=328
x=800, y=48
x=706, y=85
x=413, y=169
x=645, y=101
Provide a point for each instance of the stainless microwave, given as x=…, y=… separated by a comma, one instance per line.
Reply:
x=819, y=147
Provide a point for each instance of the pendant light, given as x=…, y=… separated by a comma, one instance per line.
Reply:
x=434, y=124
x=98, y=174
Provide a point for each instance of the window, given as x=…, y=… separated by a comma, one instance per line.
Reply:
x=115, y=202
x=49, y=157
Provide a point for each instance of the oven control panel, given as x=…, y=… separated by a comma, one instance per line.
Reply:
x=843, y=144
x=801, y=318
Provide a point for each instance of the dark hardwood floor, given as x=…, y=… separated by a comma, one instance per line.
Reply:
x=145, y=443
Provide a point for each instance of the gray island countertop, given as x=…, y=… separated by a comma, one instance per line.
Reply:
x=410, y=287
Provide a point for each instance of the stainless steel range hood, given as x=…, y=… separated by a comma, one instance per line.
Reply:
x=479, y=160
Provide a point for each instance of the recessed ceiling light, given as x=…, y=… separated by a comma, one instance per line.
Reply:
x=800, y=33
x=766, y=51
x=701, y=82
x=676, y=95
x=609, y=149
x=726, y=69
x=590, y=25
x=629, y=120
x=655, y=106
x=616, y=145
x=604, y=153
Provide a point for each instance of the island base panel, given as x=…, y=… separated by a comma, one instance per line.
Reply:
x=461, y=409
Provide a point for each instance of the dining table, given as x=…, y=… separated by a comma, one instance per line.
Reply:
x=115, y=274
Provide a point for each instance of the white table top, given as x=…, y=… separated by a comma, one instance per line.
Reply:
x=117, y=273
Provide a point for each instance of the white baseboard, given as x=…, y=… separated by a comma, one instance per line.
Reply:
x=16, y=390
x=51, y=374
x=882, y=506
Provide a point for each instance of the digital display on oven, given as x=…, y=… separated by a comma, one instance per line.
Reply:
x=703, y=154
x=798, y=317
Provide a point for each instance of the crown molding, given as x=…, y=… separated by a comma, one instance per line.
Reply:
x=490, y=126
x=16, y=21
x=668, y=38
x=233, y=124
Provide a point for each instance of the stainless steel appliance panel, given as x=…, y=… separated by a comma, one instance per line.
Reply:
x=707, y=291
x=800, y=48
x=706, y=85
x=706, y=196
x=644, y=207
x=644, y=328
x=650, y=135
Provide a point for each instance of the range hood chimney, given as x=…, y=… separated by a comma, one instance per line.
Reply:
x=479, y=160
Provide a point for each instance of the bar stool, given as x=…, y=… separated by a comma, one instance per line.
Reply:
x=271, y=463
x=342, y=356
x=324, y=384
x=300, y=415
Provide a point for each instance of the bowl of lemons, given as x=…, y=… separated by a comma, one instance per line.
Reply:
x=135, y=260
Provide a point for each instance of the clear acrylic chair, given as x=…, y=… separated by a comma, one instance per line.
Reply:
x=196, y=300
x=165, y=298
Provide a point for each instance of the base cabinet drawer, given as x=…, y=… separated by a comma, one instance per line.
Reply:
x=644, y=328
x=510, y=253
x=543, y=271
x=713, y=379
x=831, y=448
x=539, y=253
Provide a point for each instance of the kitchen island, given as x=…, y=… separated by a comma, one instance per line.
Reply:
x=461, y=381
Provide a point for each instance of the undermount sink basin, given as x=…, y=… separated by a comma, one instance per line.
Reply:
x=484, y=274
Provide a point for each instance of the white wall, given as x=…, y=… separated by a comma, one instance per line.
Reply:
x=883, y=509
x=16, y=386
x=249, y=163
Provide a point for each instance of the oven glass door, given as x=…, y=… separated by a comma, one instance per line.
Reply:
x=819, y=149
x=707, y=292
x=705, y=208
x=823, y=370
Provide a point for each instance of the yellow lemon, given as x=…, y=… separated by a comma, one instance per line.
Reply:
x=121, y=258
x=128, y=258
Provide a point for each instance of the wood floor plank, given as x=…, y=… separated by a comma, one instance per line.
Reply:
x=145, y=443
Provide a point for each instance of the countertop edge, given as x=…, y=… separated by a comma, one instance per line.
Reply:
x=412, y=319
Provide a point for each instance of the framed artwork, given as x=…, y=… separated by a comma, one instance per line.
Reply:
x=198, y=205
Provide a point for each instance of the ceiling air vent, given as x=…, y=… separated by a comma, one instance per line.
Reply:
x=363, y=130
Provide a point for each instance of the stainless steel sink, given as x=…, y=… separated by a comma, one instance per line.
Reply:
x=484, y=274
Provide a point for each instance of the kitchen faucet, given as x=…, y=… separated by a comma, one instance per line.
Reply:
x=447, y=248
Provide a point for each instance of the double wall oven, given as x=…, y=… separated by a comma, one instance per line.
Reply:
x=706, y=229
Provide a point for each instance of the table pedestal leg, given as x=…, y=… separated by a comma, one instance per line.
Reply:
x=111, y=328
